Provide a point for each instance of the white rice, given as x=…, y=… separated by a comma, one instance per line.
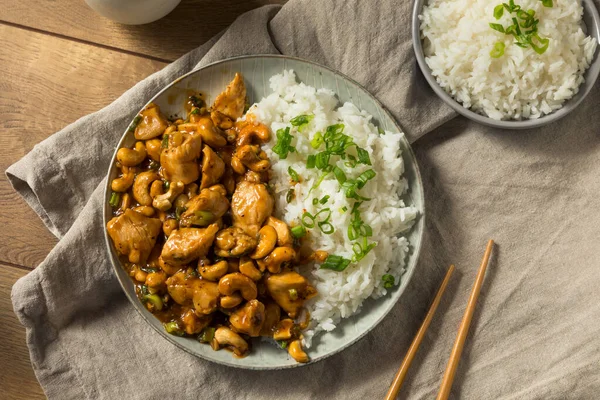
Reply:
x=520, y=84
x=340, y=293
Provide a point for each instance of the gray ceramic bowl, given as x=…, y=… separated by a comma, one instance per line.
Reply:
x=592, y=22
x=211, y=80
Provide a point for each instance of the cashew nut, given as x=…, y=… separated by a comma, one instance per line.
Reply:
x=132, y=157
x=295, y=350
x=251, y=131
x=277, y=257
x=154, y=148
x=156, y=279
x=164, y=201
x=169, y=225
x=237, y=166
x=191, y=190
x=231, y=301
x=212, y=272
x=124, y=182
x=141, y=187
x=138, y=274
x=248, y=268
x=146, y=210
x=231, y=283
x=320, y=255
x=267, y=239
x=125, y=201
x=233, y=341
x=252, y=157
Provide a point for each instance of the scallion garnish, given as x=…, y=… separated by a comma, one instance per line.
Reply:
x=165, y=142
x=335, y=263
x=293, y=294
x=315, y=201
x=134, y=123
x=523, y=28
x=179, y=211
x=114, y=199
x=388, y=281
x=290, y=195
x=298, y=231
x=308, y=220
x=317, y=140
x=324, y=199
x=301, y=121
x=322, y=160
x=363, y=156
x=311, y=161
x=326, y=227
x=284, y=143
x=166, y=185
x=293, y=174
x=173, y=328
x=339, y=175
x=207, y=335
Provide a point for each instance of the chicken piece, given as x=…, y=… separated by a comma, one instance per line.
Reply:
x=134, y=235
x=234, y=242
x=188, y=244
x=249, y=318
x=205, y=208
x=284, y=234
x=213, y=168
x=192, y=323
x=229, y=105
x=251, y=205
x=179, y=160
x=202, y=295
x=152, y=123
x=252, y=157
x=290, y=290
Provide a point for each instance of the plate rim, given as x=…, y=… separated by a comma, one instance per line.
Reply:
x=409, y=269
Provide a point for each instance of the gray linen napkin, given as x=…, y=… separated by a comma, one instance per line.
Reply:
x=535, y=332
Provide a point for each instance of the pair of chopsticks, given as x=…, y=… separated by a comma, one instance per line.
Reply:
x=460, y=337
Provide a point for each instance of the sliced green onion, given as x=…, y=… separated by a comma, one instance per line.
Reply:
x=207, y=335
x=363, y=156
x=365, y=230
x=308, y=220
x=317, y=140
x=290, y=195
x=322, y=160
x=498, y=50
x=547, y=3
x=498, y=11
x=298, y=231
x=335, y=263
x=326, y=227
x=318, y=182
x=293, y=294
x=293, y=174
x=544, y=44
x=324, y=199
x=363, y=178
x=166, y=185
x=282, y=343
x=134, y=123
x=165, y=142
x=311, y=161
x=179, y=211
x=339, y=175
x=301, y=121
x=202, y=218
x=284, y=143
x=326, y=211
x=155, y=300
x=114, y=199
x=498, y=27
x=352, y=232
x=315, y=201
x=344, y=209
x=173, y=328
x=388, y=281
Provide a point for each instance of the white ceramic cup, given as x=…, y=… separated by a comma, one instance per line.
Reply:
x=133, y=12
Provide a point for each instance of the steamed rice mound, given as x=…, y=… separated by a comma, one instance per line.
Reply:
x=521, y=84
x=340, y=293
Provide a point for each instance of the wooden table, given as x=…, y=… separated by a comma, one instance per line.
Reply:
x=61, y=61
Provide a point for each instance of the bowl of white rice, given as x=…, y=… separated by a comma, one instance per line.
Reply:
x=514, y=64
x=382, y=250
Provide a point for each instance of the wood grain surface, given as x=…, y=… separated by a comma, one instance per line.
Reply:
x=59, y=62
x=192, y=23
x=16, y=376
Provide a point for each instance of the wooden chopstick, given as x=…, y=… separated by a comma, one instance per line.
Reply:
x=464, y=327
x=414, y=346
